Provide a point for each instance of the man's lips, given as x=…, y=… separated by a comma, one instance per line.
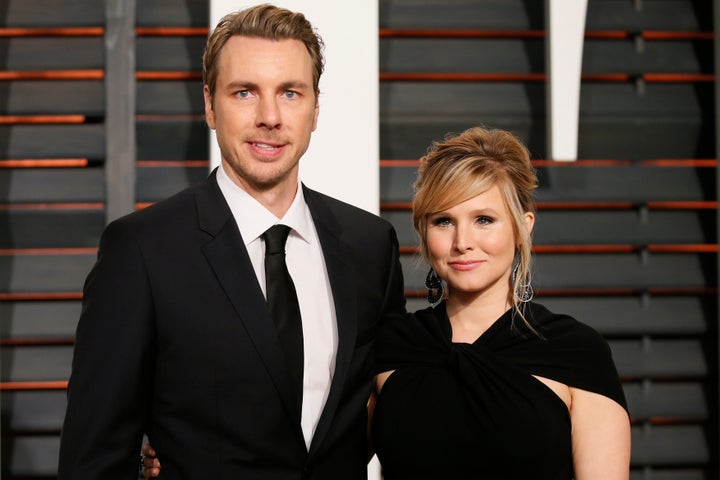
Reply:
x=264, y=145
x=266, y=149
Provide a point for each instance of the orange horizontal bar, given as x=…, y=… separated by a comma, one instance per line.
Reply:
x=145, y=75
x=608, y=35
x=680, y=162
x=149, y=118
x=44, y=385
x=462, y=77
x=674, y=205
x=541, y=163
x=668, y=35
x=606, y=77
x=657, y=248
x=399, y=163
x=394, y=206
x=689, y=248
x=53, y=32
x=415, y=293
x=142, y=205
x=669, y=421
x=581, y=292
x=538, y=77
x=47, y=251
x=600, y=292
x=590, y=34
x=582, y=163
x=172, y=163
x=647, y=35
x=53, y=75
x=585, y=248
x=32, y=296
x=585, y=205
x=171, y=31
x=36, y=342
x=653, y=162
x=459, y=33
x=44, y=163
x=678, y=77
x=683, y=291
x=606, y=248
x=573, y=292
x=53, y=206
x=688, y=205
x=40, y=119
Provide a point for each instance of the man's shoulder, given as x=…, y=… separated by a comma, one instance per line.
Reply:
x=177, y=209
x=343, y=211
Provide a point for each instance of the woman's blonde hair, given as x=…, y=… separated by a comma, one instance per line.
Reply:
x=463, y=166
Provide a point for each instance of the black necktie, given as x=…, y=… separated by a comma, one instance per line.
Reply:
x=283, y=303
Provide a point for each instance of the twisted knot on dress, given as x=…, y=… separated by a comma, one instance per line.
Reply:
x=452, y=360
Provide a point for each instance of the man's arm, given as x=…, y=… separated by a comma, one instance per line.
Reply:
x=110, y=385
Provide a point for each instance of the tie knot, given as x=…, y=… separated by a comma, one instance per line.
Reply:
x=275, y=238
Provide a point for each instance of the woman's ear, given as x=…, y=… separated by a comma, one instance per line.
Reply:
x=529, y=221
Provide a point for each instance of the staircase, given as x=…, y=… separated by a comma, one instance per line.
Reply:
x=625, y=238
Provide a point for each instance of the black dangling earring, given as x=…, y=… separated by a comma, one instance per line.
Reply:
x=434, y=286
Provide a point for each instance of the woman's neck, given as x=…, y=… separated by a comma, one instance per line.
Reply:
x=471, y=317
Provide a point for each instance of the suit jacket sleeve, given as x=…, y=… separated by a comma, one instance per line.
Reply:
x=395, y=295
x=111, y=370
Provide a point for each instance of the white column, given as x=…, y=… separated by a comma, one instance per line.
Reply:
x=343, y=158
x=565, y=26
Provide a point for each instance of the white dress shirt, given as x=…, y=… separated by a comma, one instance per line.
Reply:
x=307, y=268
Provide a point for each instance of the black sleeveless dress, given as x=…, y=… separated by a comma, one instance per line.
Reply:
x=458, y=411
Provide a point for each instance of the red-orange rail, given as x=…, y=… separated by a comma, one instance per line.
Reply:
x=40, y=119
x=658, y=162
x=45, y=163
x=590, y=34
x=43, y=385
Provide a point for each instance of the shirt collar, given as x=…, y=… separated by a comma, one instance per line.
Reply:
x=253, y=219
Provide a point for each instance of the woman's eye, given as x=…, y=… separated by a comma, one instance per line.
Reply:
x=441, y=221
x=483, y=220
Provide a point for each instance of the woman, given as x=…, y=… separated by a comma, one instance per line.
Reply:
x=487, y=383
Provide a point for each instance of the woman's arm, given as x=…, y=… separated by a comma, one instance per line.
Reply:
x=600, y=437
x=370, y=411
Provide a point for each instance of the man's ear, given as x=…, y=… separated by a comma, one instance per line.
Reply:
x=316, y=113
x=209, y=112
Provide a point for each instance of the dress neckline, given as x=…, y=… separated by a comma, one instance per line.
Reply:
x=502, y=320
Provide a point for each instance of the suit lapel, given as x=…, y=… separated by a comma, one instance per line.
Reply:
x=229, y=259
x=342, y=283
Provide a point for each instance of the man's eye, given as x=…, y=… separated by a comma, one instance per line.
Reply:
x=243, y=93
x=290, y=94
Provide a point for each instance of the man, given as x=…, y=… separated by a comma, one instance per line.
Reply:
x=176, y=338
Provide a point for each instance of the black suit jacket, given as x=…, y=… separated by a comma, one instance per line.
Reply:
x=175, y=340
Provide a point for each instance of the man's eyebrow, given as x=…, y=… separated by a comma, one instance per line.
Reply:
x=241, y=84
x=247, y=85
x=294, y=84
